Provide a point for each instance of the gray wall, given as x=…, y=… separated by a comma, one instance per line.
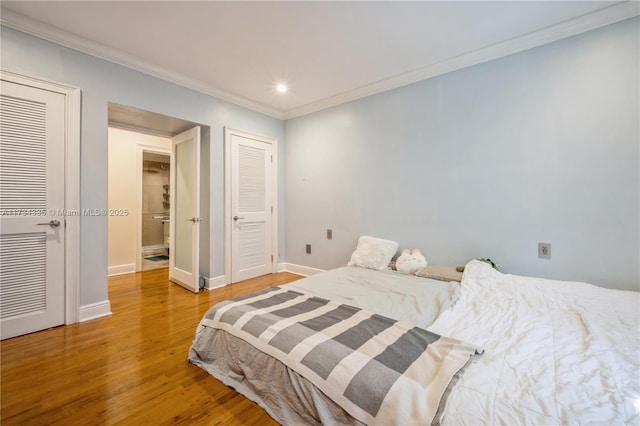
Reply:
x=102, y=82
x=540, y=146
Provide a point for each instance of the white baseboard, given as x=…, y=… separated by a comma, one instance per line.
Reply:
x=121, y=269
x=95, y=310
x=298, y=269
x=214, y=282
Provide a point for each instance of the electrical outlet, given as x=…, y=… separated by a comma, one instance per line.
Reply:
x=329, y=234
x=308, y=248
x=544, y=250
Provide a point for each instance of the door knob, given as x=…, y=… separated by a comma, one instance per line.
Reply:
x=194, y=219
x=54, y=223
x=236, y=218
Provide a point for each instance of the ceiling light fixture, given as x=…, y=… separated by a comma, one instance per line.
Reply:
x=281, y=88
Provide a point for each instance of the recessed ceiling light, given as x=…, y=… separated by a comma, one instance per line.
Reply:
x=281, y=88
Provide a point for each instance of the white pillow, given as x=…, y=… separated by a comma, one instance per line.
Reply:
x=373, y=253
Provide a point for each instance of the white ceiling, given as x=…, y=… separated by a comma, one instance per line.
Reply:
x=326, y=52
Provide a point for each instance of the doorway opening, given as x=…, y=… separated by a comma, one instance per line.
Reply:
x=143, y=168
x=156, y=214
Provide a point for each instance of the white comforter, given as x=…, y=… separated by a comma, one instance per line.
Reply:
x=403, y=297
x=555, y=352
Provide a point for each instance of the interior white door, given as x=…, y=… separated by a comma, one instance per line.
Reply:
x=184, y=232
x=251, y=207
x=32, y=226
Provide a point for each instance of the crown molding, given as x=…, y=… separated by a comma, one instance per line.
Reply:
x=47, y=32
x=612, y=14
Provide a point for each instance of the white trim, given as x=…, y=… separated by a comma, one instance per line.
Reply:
x=228, y=132
x=95, y=310
x=72, y=202
x=298, y=269
x=72, y=185
x=600, y=18
x=44, y=31
x=214, y=282
x=143, y=130
x=591, y=21
x=129, y=268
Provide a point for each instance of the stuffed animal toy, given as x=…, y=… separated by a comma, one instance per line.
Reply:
x=410, y=261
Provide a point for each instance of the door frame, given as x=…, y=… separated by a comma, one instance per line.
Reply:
x=228, y=222
x=140, y=150
x=71, y=185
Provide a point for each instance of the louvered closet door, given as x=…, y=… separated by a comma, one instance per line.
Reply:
x=251, y=208
x=31, y=195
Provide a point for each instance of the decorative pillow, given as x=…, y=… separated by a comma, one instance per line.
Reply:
x=439, y=272
x=373, y=253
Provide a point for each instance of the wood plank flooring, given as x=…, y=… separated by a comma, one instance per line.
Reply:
x=130, y=368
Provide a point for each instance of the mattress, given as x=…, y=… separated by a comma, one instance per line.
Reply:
x=556, y=352
x=286, y=395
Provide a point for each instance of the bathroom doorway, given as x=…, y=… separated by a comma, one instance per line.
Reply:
x=136, y=158
x=144, y=159
x=155, y=210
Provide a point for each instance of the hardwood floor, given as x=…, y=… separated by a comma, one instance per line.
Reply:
x=129, y=368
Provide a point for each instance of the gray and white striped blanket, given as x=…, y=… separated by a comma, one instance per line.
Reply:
x=379, y=370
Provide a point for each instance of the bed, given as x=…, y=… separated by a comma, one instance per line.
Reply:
x=556, y=352
x=514, y=350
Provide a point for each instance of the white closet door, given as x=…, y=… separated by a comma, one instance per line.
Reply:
x=250, y=208
x=32, y=166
